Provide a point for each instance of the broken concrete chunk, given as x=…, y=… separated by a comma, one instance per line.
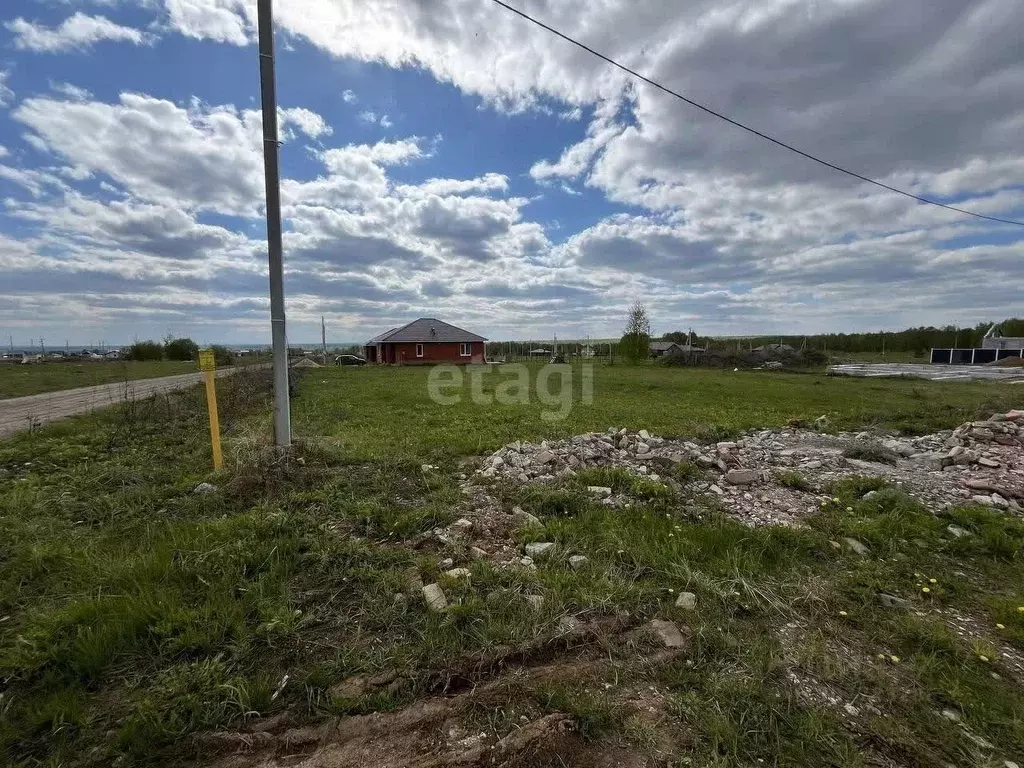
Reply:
x=600, y=490
x=539, y=548
x=668, y=633
x=434, y=595
x=643, y=448
x=457, y=573
x=742, y=476
x=987, y=462
x=524, y=518
x=205, y=488
x=957, y=531
x=578, y=561
x=545, y=457
x=687, y=601
x=462, y=524
x=856, y=546
x=644, y=434
x=535, y=601
x=891, y=601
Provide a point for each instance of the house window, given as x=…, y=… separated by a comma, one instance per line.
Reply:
x=465, y=349
x=419, y=350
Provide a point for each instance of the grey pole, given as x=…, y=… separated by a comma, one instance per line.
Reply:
x=282, y=411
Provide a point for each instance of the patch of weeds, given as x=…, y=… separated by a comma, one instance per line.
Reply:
x=640, y=732
x=870, y=450
x=622, y=481
x=188, y=697
x=791, y=478
x=853, y=488
x=743, y=718
x=688, y=472
x=594, y=714
x=546, y=501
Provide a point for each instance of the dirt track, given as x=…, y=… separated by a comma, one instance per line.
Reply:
x=20, y=413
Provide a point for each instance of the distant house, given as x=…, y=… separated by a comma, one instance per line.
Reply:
x=423, y=342
x=540, y=352
x=662, y=348
x=774, y=348
x=994, y=339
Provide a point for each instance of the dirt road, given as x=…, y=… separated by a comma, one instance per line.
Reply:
x=22, y=413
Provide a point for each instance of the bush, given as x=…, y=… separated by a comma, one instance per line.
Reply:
x=870, y=450
x=222, y=356
x=146, y=350
x=181, y=349
x=635, y=347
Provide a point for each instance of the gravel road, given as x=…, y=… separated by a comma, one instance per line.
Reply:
x=20, y=413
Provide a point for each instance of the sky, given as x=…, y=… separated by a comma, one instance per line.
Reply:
x=445, y=158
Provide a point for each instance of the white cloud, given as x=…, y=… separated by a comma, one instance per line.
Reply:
x=348, y=96
x=307, y=121
x=78, y=32
x=369, y=116
x=207, y=157
x=71, y=91
x=6, y=94
x=224, y=21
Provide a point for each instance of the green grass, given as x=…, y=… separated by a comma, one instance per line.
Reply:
x=135, y=613
x=404, y=422
x=18, y=380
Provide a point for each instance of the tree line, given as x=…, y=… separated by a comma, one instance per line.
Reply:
x=182, y=350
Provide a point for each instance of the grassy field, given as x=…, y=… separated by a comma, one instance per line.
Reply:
x=18, y=380
x=136, y=613
x=374, y=413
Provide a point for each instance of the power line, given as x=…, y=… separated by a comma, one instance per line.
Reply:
x=747, y=128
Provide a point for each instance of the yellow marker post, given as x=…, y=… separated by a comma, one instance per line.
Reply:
x=207, y=365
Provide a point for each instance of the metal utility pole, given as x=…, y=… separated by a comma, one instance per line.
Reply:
x=323, y=337
x=268, y=92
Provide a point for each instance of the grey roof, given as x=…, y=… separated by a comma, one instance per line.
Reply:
x=662, y=346
x=426, y=329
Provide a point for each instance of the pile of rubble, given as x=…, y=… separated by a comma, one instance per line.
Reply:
x=979, y=461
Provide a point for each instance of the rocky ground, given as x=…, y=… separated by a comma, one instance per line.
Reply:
x=771, y=476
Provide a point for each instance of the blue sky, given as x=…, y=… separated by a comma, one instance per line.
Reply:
x=446, y=159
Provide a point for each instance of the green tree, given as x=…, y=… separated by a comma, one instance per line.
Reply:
x=222, y=356
x=146, y=350
x=181, y=349
x=635, y=344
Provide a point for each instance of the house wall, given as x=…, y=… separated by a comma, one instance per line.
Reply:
x=1003, y=342
x=433, y=352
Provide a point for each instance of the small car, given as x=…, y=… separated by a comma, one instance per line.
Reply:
x=349, y=360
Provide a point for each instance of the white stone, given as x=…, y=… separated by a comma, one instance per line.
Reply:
x=462, y=524
x=477, y=553
x=643, y=448
x=856, y=546
x=742, y=476
x=644, y=434
x=668, y=633
x=600, y=490
x=434, y=595
x=457, y=573
x=205, y=488
x=687, y=601
x=578, y=561
x=539, y=548
x=524, y=518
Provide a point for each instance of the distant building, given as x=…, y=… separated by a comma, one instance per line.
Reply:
x=662, y=348
x=994, y=346
x=994, y=339
x=423, y=342
x=774, y=348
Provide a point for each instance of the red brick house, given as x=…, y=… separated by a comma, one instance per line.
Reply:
x=423, y=342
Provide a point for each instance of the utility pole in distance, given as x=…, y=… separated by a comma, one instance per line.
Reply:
x=271, y=147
